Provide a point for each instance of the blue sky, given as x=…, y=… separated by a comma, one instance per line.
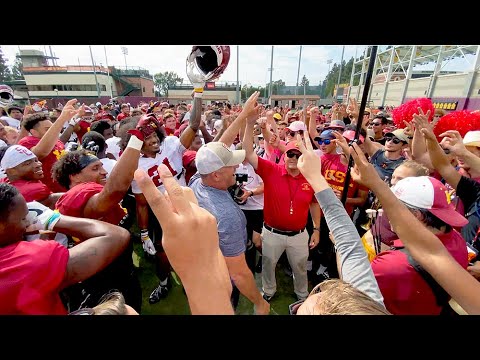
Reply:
x=254, y=60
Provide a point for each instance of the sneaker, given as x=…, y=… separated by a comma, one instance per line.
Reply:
x=267, y=298
x=159, y=293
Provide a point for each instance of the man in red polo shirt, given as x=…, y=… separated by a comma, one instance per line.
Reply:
x=288, y=197
x=404, y=289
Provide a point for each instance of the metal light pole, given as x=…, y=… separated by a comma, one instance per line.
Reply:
x=271, y=74
x=125, y=53
x=298, y=71
x=108, y=73
x=238, y=84
x=340, y=72
x=94, y=71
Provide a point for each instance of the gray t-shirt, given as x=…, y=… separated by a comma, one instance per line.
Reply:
x=355, y=267
x=384, y=166
x=231, y=222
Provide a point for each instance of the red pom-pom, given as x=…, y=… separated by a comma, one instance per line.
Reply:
x=463, y=121
x=407, y=110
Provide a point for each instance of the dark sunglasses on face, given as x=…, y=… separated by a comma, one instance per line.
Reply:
x=324, y=141
x=376, y=123
x=292, y=133
x=366, y=114
x=393, y=139
x=291, y=154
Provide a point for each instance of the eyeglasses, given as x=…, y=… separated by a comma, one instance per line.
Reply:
x=293, y=308
x=324, y=141
x=393, y=139
x=376, y=123
x=292, y=133
x=291, y=154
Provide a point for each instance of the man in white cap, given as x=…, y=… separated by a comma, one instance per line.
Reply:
x=216, y=165
x=472, y=144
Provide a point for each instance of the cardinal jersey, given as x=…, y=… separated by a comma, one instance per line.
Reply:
x=170, y=154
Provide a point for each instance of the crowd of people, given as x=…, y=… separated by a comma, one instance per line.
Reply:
x=220, y=192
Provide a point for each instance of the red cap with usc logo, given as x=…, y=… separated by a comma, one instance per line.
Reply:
x=427, y=193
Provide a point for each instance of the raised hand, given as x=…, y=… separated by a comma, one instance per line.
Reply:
x=309, y=163
x=452, y=140
x=341, y=141
x=363, y=172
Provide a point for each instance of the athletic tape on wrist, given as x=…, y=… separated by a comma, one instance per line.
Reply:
x=52, y=221
x=135, y=143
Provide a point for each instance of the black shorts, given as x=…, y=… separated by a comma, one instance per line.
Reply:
x=254, y=222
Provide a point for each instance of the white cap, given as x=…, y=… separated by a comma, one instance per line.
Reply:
x=297, y=126
x=215, y=155
x=472, y=138
x=15, y=155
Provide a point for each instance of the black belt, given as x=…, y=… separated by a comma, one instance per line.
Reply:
x=282, y=232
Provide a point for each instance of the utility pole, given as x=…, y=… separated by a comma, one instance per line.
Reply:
x=298, y=71
x=94, y=71
x=271, y=75
x=340, y=72
x=125, y=53
x=238, y=84
x=108, y=73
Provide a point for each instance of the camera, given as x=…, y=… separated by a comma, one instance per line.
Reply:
x=236, y=191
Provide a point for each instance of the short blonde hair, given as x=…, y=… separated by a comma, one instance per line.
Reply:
x=111, y=304
x=341, y=298
x=419, y=169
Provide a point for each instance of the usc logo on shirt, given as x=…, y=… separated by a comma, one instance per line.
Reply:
x=306, y=187
x=59, y=154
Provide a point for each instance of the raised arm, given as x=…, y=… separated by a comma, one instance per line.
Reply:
x=191, y=131
x=439, y=160
x=102, y=243
x=198, y=261
x=48, y=141
x=355, y=267
x=250, y=107
x=118, y=182
x=423, y=245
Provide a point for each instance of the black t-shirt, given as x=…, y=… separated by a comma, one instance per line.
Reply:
x=468, y=190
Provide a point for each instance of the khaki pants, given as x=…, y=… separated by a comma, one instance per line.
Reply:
x=296, y=247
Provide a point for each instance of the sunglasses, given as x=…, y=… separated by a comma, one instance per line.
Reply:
x=324, y=141
x=292, y=133
x=393, y=139
x=366, y=114
x=291, y=154
x=376, y=123
x=293, y=308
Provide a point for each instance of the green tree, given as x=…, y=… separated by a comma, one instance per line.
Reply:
x=163, y=81
x=5, y=74
x=17, y=70
x=304, y=82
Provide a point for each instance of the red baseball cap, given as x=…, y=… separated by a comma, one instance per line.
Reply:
x=428, y=193
x=292, y=145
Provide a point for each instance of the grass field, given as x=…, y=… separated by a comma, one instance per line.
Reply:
x=176, y=302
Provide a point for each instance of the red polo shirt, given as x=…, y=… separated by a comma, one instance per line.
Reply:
x=404, y=290
x=47, y=162
x=280, y=190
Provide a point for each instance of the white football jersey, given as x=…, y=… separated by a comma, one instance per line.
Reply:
x=170, y=154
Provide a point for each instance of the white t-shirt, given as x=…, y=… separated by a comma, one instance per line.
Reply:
x=171, y=153
x=113, y=147
x=254, y=202
x=108, y=165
